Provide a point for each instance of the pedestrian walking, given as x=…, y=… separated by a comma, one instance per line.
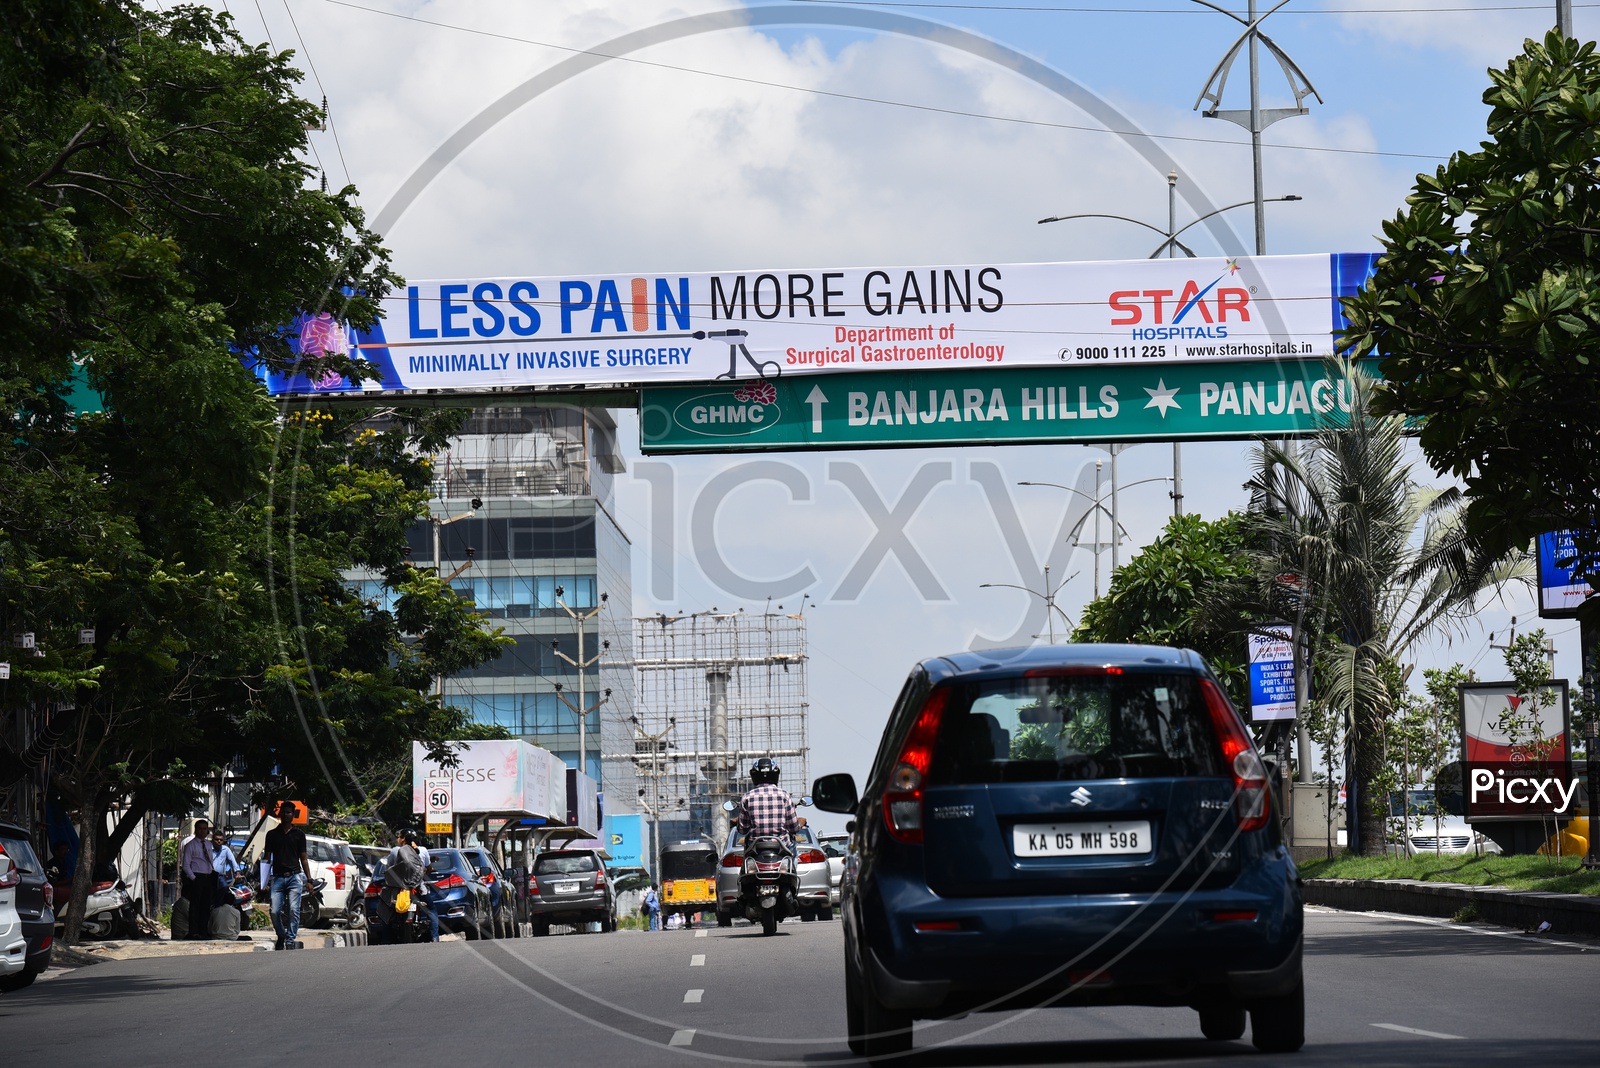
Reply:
x=652, y=907
x=291, y=874
x=197, y=867
x=223, y=862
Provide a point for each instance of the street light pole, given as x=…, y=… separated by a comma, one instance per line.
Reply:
x=582, y=665
x=1564, y=17
x=1049, y=596
x=1255, y=118
x=658, y=747
x=1099, y=506
x=438, y=564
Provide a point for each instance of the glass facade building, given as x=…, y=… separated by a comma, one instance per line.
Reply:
x=543, y=536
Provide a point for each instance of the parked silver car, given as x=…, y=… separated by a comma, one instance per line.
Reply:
x=837, y=847
x=811, y=866
x=1434, y=827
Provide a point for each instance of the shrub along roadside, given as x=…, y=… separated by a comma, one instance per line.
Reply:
x=1562, y=875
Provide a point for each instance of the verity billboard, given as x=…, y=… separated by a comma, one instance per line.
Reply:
x=496, y=333
x=1177, y=402
x=1515, y=751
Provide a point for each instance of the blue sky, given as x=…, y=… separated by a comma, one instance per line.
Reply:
x=744, y=149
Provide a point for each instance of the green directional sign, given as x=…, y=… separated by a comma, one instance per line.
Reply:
x=1161, y=402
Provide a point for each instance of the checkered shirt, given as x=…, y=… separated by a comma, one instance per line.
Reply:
x=767, y=809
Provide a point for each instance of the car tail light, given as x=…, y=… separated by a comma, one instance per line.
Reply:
x=338, y=875
x=373, y=889
x=1241, y=916
x=937, y=925
x=49, y=895
x=902, y=801
x=10, y=878
x=732, y=860
x=533, y=886
x=450, y=882
x=1252, y=800
x=813, y=856
x=599, y=880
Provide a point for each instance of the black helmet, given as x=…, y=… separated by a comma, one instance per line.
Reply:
x=764, y=771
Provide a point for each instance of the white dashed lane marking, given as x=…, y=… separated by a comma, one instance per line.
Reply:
x=692, y=997
x=699, y=934
x=1416, y=1031
x=697, y=961
x=682, y=1038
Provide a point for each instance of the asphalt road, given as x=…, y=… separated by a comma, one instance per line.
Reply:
x=1380, y=990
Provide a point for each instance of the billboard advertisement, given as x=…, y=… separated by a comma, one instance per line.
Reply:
x=624, y=840
x=495, y=776
x=1561, y=592
x=1516, y=757
x=1271, y=675
x=550, y=332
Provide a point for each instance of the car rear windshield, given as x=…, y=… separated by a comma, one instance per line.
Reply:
x=21, y=853
x=1048, y=728
x=442, y=863
x=564, y=864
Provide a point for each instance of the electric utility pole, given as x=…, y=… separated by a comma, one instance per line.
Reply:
x=582, y=665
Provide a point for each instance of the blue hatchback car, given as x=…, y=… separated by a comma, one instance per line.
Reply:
x=1068, y=825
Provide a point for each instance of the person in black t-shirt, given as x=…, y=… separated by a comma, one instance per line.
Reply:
x=291, y=874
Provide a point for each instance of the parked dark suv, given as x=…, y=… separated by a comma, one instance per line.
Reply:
x=1068, y=825
x=571, y=886
x=33, y=905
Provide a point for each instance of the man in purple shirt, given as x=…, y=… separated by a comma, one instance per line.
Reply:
x=197, y=866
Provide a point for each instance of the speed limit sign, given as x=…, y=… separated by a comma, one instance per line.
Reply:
x=441, y=817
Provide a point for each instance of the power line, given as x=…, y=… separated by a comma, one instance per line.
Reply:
x=326, y=117
x=1183, y=10
x=908, y=105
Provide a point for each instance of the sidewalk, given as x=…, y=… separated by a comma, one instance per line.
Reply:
x=86, y=953
x=1567, y=914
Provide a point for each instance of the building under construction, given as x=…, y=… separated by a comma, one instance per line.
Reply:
x=716, y=691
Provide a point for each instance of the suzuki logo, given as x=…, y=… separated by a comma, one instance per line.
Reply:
x=1080, y=796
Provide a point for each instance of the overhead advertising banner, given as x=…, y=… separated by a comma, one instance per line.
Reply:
x=1271, y=675
x=1515, y=752
x=541, y=332
x=1561, y=592
x=1174, y=402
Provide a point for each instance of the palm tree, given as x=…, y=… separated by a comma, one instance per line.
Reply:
x=1367, y=562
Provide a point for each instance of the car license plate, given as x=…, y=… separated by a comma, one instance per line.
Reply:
x=1081, y=839
x=566, y=888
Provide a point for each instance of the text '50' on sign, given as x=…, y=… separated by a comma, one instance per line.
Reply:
x=1170, y=402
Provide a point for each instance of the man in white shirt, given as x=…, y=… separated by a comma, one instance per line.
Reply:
x=196, y=864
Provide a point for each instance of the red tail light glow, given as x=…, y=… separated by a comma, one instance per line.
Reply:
x=813, y=856
x=373, y=889
x=533, y=886
x=450, y=882
x=902, y=801
x=599, y=880
x=732, y=860
x=1233, y=917
x=1252, y=800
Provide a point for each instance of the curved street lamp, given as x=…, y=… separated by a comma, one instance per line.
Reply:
x=1051, y=609
x=1117, y=529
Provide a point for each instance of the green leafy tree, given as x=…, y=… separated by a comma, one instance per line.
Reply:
x=1181, y=590
x=157, y=218
x=1486, y=306
x=1380, y=561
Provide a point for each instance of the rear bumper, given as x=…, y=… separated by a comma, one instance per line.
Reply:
x=576, y=906
x=1153, y=949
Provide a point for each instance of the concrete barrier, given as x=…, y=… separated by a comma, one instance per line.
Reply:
x=1567, y=914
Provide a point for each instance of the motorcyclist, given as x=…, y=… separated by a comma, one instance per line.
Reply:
x=766, y=809
x=404, y=870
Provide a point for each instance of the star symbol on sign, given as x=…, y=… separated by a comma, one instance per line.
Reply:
x=1162, y=397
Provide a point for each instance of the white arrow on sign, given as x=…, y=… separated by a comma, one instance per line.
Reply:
x=816, y=398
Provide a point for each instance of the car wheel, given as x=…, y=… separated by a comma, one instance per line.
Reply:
x=1222, y=1022
x=854, y=1029
x=807, y=915
x=1278, y=1025
x=825, y=914
x=883, y=1031
x=541, y=927
x=12, y=983
x=724, y=919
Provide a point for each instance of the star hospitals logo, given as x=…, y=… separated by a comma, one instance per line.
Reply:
x=1163, y=398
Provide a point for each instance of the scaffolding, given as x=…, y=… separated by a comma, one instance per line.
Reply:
x=716, y=691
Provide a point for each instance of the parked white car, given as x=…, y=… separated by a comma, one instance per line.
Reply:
x=1433, y=828
x=13, y=943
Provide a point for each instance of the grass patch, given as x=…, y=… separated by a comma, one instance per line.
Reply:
x=1562, y=875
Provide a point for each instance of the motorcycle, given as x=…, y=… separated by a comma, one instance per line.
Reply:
x=108, y=913
x=769, y=878
x=311, y=903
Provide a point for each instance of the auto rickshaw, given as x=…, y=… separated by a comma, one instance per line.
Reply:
x=688, y=879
